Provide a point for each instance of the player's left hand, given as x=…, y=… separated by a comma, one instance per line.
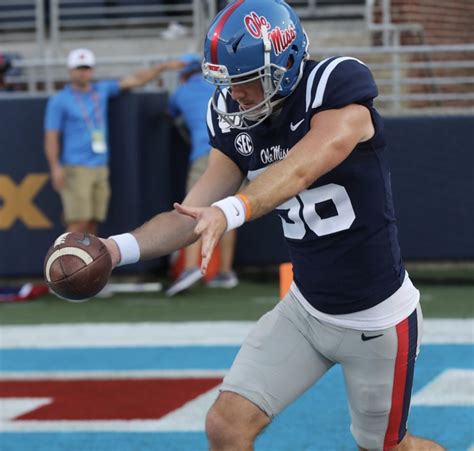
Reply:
x=211, y=225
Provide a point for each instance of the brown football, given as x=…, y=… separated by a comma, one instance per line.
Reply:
x=77, y=266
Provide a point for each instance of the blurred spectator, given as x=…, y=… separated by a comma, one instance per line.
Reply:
x=174, y=31
x=7, y=69
x=189, y=103
x=4, y=67
x=76, y=143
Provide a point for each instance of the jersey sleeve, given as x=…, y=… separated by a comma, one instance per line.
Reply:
x=53, y=119
x=111, y=88
x=343, y=81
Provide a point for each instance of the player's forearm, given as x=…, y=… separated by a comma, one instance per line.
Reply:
x=159, y=236
x=164, y=234
x=277, y=184
x=333, y=136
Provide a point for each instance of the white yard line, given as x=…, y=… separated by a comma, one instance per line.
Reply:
x=108, y=375
x=453, y=387
x=220, y=333
x=123, y=334
x=103, y=425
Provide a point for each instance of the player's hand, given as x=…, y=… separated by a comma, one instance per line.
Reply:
x=113, y=249
x=211, y=225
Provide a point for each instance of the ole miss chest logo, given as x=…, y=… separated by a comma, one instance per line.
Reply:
x=280, y=39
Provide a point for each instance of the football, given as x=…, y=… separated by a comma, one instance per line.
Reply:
x=77, y=266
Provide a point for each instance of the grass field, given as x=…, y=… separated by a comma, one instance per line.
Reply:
x=247, y=302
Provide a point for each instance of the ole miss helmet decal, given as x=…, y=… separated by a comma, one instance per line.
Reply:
x=281, y=39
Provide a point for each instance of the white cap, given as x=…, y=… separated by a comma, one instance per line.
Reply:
x=80, y=57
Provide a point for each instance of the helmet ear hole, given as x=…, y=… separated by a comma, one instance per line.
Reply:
x=290, y=62
x=236, y=42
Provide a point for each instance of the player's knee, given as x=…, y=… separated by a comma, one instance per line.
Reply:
x=234, y=423
x=220, y=431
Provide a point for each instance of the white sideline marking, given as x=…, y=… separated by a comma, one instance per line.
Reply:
x=11, y=408
x=448, y=331
x=88, y=426
x=217, y=333
x=115, y=374
x=454, y=387
x=124, y=334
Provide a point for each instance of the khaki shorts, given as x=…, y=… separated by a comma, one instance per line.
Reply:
x=288, y=351
x=86, y=193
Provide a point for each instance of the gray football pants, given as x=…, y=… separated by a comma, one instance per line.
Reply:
x=288, y=350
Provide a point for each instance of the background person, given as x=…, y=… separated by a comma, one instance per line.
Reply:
x=189, y=103
x=76, y=140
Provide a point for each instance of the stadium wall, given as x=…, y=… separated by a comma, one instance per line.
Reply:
x=432, y=177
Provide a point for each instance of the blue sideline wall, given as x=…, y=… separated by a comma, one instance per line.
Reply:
x=432, y=177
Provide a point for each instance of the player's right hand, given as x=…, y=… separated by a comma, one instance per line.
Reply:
x=211, y=225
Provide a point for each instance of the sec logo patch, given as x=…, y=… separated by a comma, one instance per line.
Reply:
x=243, y=144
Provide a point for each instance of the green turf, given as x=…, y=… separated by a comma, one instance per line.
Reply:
x=446, y=301
x=246, y=302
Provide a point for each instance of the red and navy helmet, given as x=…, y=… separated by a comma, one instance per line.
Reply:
x=255, y=39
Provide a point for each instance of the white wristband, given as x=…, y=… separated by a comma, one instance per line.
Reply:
x=234, y=211
x=128, y=247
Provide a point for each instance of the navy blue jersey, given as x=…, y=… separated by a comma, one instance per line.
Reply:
x=341, y=231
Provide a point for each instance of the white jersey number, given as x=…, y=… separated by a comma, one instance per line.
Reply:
x=320, y=226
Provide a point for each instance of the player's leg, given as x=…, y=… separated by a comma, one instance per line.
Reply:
x=275, y=365
x=191, y=273
x=192, y=255
x=379, y=375
x=81, y=227
x=226, y=277
x=414, y=443
x=227, y=245
x=233, y=423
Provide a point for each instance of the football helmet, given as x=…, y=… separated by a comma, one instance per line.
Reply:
x=254, y=40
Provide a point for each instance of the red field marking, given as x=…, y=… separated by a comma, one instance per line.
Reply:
x=107, y=399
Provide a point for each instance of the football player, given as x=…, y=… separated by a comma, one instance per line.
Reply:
x=307, y=135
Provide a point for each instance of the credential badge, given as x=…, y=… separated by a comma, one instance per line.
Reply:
x=243, y=144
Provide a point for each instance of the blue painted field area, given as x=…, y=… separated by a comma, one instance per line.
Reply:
x=317, y=421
